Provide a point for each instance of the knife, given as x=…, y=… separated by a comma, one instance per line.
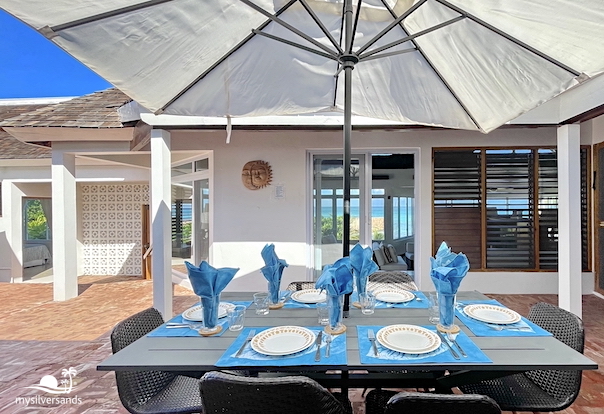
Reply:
x=250, y=335
x=318, y=342
x=459, y=348
x=442, y=338
x=371, y=336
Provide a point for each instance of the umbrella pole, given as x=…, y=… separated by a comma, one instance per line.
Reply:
x=348, y=62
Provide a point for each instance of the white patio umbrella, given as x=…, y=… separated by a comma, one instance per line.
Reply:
x=465, y=64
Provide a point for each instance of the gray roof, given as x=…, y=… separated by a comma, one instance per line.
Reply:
x=12, y=148
x=97, y=110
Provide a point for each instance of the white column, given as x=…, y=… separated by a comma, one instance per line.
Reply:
x=12, y=197
x=64, y=225
x=423, y=218
x=569, y=219
x=161, y=235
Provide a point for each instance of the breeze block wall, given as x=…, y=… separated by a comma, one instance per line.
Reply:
x=112, y=228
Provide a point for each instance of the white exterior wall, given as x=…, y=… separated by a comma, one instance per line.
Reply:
x=244, y=220
x=32, y=178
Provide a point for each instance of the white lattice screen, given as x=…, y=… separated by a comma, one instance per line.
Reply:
x=112, y=228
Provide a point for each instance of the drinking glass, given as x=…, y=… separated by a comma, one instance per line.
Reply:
x=323, y=313
x=236, y=317
x=446, y=306
x=433, y=309
x=262, y=301
x=367, y=302
x=335, y=305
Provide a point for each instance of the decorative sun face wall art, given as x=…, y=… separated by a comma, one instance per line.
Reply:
x=256, y=174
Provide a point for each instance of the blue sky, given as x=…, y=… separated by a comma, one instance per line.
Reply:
x=33, y=67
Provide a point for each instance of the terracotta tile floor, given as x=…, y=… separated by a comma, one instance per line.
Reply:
x=40, y=337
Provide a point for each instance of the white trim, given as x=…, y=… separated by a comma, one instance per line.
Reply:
x=34, y=101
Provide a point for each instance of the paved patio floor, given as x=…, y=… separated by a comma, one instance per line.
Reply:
x=39, y=337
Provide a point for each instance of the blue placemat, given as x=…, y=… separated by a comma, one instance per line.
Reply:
x=165, y=331
x=522, y=328
x=249, y=357
x=424, y=303
x=438, y=356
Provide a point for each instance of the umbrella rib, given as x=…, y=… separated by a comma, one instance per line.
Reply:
x=397, y=20
x=294, y=44
x=411, y=37
x=436, y=71
x=510, y=38
x=384, y=55
x=321, y=26
x=219, y=61
x=289, y=27
x=108, y=14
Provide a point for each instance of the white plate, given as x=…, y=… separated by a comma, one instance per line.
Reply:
x=195, y=313
x=283, y=340
x=492, y=314
x=393, y=295
x=309, y=296
x=410, y=339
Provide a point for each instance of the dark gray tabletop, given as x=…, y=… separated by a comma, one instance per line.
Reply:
x=199, y=354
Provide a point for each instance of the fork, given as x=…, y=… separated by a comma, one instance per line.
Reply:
x=328, y=339
x=371, y=337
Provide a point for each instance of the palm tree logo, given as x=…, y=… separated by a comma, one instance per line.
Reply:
x=50, y=384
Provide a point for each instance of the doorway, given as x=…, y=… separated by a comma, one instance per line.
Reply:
x=382, y=203
x=37, y=239
x=191, y=203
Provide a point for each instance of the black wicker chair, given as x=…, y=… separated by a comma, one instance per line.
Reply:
x=151, y=392
x=295, y=286
x=540, y=391
x=224, y=393
x=391, y=280
x=392, y=402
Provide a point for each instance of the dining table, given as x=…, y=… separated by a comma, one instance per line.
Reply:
x=483, y=350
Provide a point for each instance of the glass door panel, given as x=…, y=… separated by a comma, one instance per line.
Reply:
x=328, y=211
x=201, y=220
x=393, y=202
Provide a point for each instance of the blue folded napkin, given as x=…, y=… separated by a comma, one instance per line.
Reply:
x=524, y=327
x=208, y=282
x=336, y=280
x=363, y=265
x=439, y=356
x=273, y=270
x=424, y=303
x=249, y=357
x=447, y=271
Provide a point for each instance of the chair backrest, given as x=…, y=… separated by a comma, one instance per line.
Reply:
x=391, y=280
x=568, y=328
x=427, y=403
x=136, y=387
x=231, y=394
x=295, y=286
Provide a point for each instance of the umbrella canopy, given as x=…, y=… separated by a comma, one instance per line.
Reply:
x=465, y=64
x=471, y=64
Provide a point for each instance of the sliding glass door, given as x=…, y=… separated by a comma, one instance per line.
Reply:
x=381, y=203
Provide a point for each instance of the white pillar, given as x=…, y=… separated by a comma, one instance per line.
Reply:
x=569, y=219
x=423, y=211
x=12, y=197
x=161, y=233
x=64, y=225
